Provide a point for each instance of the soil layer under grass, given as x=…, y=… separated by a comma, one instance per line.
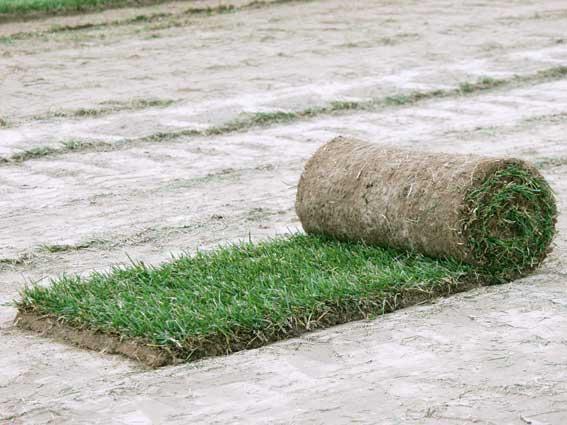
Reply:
x=236, y=297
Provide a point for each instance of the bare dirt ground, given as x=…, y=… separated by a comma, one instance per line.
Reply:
x=496, y=355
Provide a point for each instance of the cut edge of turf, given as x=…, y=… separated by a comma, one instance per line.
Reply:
x=51, y=326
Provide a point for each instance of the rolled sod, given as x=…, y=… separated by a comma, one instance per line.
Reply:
x=496, y=214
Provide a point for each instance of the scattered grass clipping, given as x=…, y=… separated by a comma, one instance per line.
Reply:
x=236, y=297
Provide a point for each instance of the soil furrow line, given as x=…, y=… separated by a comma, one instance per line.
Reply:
x=267, y=119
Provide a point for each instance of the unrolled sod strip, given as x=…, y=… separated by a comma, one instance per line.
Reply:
x=497, y=214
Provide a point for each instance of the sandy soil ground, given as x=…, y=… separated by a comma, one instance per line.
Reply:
x=491, y=356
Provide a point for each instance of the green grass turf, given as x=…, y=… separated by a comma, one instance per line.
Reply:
x=511, y=222
x=244, y=295
x=23, y=7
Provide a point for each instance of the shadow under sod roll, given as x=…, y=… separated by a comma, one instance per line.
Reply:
x=498, y=214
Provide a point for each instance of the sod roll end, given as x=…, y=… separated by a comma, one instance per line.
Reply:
x=496, y=214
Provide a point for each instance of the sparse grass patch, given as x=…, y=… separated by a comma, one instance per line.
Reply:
x=108, y=107
x=32, y=153
x=13, y=9
x=73, y=144
x=64, y=147
x=399, y=99
x=21, y=259
x=243, y=296
x=77, y=27
x=215, y=10
x=553, y=73
x=560, y=117
x=484, y=83
x=252, y=120
x=467, y=87
x=55, y=248
x=264, y=119
x=7, y=39
x=416, y=96
x=165, y=136
x=341, y=105
x=27, y=7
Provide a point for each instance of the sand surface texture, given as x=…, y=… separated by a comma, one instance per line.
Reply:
x=496, y=355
